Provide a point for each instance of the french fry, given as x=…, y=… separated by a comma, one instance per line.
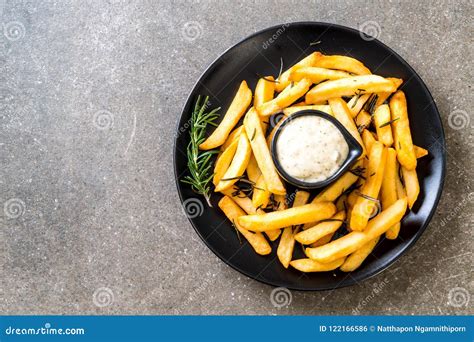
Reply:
x=284, y=79
x=386, y=219
x=261, y=196
x=337, y=249
x=345, y=63
x=309, y=265
x=353, y=241
x=333, y=191
x=236, y=110
x=356, y=259
x=412, y=185
x=293, y=109
x=284, y=99
x=364, y=206
x=368, y=140
x=383, y=96
x=321, y=229
x=420, y=152
x=244, y=202
x=237, y=166
x=223, y=162
x=356, y=103
x=342, y=114
x=382, y=125
x=264, y=91
x=287, y=240
x=388, y=192
x=289, y=217
x=233, y=136
x=262, y=153
x=401, y=192
x=256, y=240
x=401, y=131
x=324, y=240
x=317, y=75
x=253, y=172
x=363, y=120
x=350, y=86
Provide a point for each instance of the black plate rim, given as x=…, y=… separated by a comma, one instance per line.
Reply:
x=346, y=282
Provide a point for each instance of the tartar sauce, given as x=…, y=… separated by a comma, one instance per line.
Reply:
x=311, y=148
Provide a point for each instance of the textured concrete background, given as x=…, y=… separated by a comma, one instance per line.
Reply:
x=90, y=94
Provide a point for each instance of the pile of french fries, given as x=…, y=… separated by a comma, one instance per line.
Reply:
x=369, y=200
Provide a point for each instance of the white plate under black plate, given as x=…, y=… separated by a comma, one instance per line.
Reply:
x=260, y=54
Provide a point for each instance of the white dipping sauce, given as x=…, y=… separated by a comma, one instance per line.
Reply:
x=311, y=148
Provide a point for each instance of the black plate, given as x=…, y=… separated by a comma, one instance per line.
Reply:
x=260, y=54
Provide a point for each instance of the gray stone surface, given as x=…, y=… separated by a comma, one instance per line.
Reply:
x=90, y=94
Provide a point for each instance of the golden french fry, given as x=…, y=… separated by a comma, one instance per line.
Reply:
x=256, y=240
x=264, y=91
x=293, y=109
x=287, y=240
x=350, y=86
x=243, y=201
x=412, y=185
x=262, y=153
x=388, y=192
x=342, y=114
x=401, y=131
x=386, y=219
x=253, y=172
x=356, y=103
x=233, y=136
x=284, y=99
x=364, y=206
x=321, y=229
x=368, y=139
x=289, y=217
x=401, y=192
x=345, y=63
x=324, y=240
x=261, y=196
x=333, y=191
x=353, y=241
x=309, y=265
x=237, y=166
x=223, y=162
x=356, y=259
x=363, y=120
x=382, y=125
x=383, y=96
x=337, y=249
x=284, y=79
x=317, y=75
x=420, y=152
x=236, y=110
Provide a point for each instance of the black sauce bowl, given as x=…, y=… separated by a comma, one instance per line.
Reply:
x=355, y=151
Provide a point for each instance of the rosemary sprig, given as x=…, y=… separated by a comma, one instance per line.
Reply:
x=199, y=163
x=388, y=122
